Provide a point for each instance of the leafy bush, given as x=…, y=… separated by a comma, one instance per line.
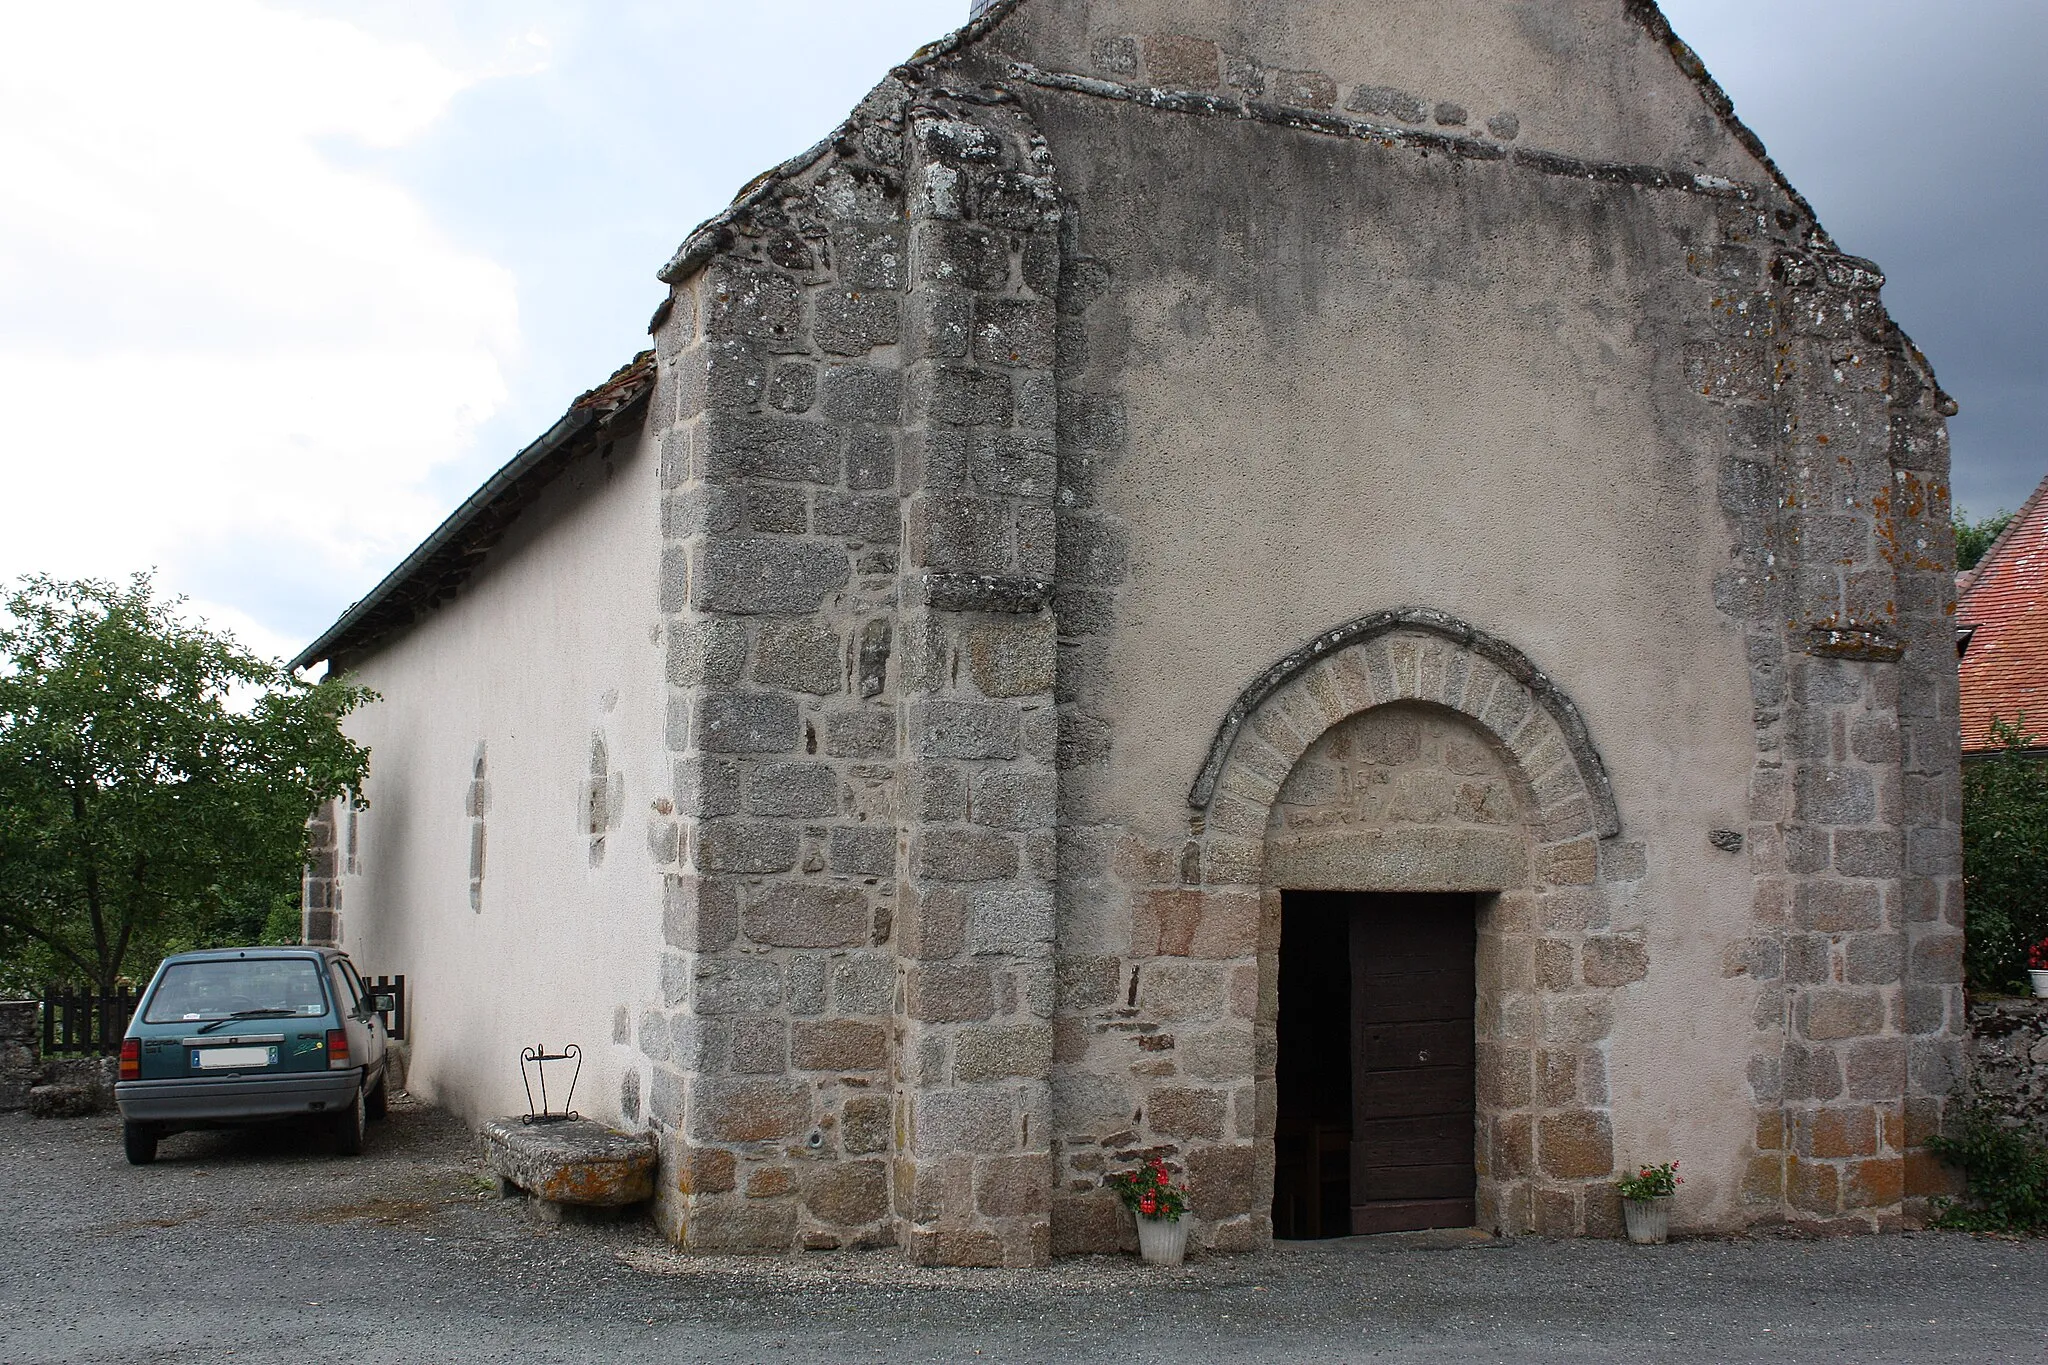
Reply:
x=2007, y=1167
x=1973, y=538
x=2005, y=860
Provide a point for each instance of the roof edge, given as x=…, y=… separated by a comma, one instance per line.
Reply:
x=506, y=491
x=568, y=426
x=1651, y=17
x=2004, y=538
x=705, y=240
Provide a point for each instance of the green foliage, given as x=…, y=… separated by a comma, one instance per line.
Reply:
x=2007, y=1167
x=1149, y=1191
x=1973, y=538
x=2005, y=859
x=155, y=781
x=1651, y=1182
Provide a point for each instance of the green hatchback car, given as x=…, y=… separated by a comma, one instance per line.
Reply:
x=250, y=1035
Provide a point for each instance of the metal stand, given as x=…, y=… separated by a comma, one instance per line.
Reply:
x=539, y=1057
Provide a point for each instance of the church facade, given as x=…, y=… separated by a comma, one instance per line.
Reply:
x=1354, y=596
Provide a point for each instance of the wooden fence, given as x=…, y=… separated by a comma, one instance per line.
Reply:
x=84, y=1023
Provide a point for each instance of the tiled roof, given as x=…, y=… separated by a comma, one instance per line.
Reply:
x=2005, y=669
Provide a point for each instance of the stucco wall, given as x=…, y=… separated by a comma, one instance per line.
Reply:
x=1571, y=76
x=1353, y=378
x=551, y=650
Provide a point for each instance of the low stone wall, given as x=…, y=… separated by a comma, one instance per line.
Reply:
x=2011, y=1066
x=21, y=1061
x=64, y=1087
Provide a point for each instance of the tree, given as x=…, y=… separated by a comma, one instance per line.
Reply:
x=1973, y=538
x=155, y=780
x=2005, y=858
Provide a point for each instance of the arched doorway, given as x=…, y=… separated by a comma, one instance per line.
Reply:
x=1402, y=757
x=1377, y=1061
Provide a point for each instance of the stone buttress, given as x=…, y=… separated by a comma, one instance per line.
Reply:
x=858, y=465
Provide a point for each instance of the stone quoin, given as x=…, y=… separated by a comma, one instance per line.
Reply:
x=1156, y=475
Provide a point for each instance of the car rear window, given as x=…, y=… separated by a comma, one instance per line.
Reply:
x=215, y=990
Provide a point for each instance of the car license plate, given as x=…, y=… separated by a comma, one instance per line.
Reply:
x=232, y=1058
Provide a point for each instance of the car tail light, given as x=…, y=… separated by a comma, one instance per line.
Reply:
x=131, y=1059
x=337, y=1049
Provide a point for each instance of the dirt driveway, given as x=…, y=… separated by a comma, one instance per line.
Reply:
x=250, y=1246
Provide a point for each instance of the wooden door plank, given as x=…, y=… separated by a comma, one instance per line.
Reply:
x=1440, y=994
x=1452, y=1180
x=1415, y=1091
x=1413, y=1216
x=1390, y=1047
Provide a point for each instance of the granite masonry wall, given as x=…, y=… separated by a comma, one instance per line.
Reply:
x=21, y=1060
x=1834, y=482
x=859, y=476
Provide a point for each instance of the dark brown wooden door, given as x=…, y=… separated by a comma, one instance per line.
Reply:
x=1412, y=987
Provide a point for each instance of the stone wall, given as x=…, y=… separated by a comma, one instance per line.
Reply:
x=21, y=1060
x=859, y=473
x=1403, y=786
x=2009, y=1062
x=320, y=887
x=1834, y=482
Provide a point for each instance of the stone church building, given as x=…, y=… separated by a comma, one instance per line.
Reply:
x=1351, y=593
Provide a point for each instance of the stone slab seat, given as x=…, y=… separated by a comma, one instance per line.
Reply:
x=576, y=1162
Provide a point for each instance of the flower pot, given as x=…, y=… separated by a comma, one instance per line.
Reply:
x=2040, y=979
x=1648, y=1220
x=1163, y=1241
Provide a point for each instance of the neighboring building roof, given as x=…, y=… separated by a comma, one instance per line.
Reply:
x=445, y=560
x=2004, y=604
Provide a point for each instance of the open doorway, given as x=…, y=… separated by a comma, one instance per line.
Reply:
x=1374, y=1131
x=1312, y=1134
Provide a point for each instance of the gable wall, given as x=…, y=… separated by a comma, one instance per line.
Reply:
x=1580, y=77
x=1307, y=375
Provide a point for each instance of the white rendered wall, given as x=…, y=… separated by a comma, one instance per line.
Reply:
x=555, y=641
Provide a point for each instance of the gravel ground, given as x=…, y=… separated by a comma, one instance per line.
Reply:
x=256, y=1245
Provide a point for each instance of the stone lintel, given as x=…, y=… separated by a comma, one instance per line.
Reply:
x=1429, y=858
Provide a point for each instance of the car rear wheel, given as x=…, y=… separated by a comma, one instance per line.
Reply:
x=349, y=1125
x=379, y=1102
x=139, y=1141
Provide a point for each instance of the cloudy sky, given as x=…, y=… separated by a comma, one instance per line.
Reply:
x=281, y=281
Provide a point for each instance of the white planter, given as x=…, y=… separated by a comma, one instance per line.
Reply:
x=1163, y=1241
x=2040, y=980
x=1648, y=1220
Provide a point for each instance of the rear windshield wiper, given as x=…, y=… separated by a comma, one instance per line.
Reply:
x=246, y=1014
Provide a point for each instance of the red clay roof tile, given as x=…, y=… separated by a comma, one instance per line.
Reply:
x=2005, y=669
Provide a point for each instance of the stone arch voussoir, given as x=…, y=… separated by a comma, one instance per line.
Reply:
x=1404, y=654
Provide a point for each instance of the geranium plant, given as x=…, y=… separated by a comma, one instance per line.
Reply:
x=2037, y=956
x=1651, y=1182
x=1149, y=1191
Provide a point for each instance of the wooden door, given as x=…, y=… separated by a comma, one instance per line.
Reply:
x=1412, y=987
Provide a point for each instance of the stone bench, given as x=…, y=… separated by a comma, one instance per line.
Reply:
x=576, y=1164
